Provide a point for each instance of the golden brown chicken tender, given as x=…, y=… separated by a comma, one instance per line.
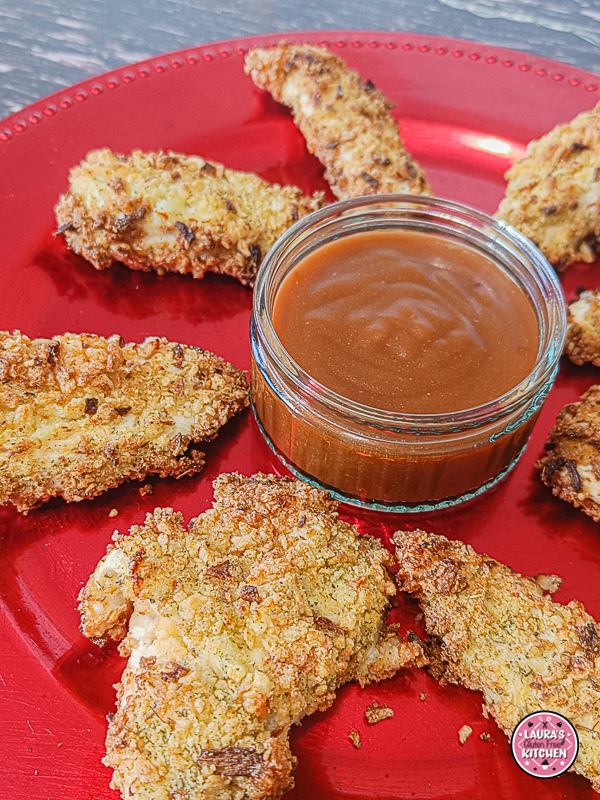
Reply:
x=583, y=328
x=174, y=213
x=236, y=628
x=500, y=633
x=346, y=122
x=80, y=414
x=553, y=193
x=571, y=466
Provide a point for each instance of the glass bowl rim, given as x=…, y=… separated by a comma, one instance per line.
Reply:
x=544, y=275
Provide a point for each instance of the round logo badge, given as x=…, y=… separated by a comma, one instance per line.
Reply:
x=544, y=744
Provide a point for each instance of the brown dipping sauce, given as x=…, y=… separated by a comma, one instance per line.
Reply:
x=400, y=321
x=407, y=322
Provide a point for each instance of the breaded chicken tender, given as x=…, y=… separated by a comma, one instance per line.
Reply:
x=553, y=193
x=500, y=633
x=80, y=414
x=175, y=213
x=583, y=329
x=571, y=467
x=235, y=629
x=346, y=122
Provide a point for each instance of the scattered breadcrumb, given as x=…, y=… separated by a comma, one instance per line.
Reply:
x=236, y=628
x=377, y=713
x=423, y=697
x=80, y=413
x=571, y=466
x=484, y=711
x=583, y=328
x=146, y=489
x=485, y=737
x=498, y=632
x=346, y=122
x=113, y=512
x=354, y=737
x=553, y=193
x=175, y=213
x=464, y=733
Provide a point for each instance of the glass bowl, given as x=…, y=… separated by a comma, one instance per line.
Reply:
x=383, y=459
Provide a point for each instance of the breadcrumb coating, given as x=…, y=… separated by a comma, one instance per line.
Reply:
x=80, y=414
x=553, y=193
x=583, y=329
x=346, y=122
x=235, y=629
x=571, y=466
x=175, y=213
x=498, y=632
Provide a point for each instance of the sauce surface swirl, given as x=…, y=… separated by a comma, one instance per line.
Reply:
x=407, y=322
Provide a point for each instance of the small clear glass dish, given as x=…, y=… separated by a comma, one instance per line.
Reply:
x=382, y=459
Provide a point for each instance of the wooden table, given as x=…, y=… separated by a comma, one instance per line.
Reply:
x=48, y=44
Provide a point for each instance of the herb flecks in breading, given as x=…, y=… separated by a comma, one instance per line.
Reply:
x=500, y=633
x=82, y=413
x=225, y=651
x=175, y=213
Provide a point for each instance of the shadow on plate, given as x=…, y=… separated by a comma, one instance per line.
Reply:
x=140, y=295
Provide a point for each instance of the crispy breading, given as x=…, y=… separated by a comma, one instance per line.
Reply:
x=81, y=413
x=237, y=628
x=583, y=328
x=498, y=632
x=553, y=193
x=346, y=122
x=571, y=466
x=175, y=213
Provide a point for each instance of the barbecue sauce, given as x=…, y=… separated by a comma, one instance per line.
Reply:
x=407, y=322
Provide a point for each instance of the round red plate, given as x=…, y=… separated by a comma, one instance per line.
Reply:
x=465, y=111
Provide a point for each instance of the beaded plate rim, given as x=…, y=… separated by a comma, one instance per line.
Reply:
x=31, y=117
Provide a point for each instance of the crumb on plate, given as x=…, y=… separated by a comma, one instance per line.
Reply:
x=354, y=737
x=464, y=733
x=377, y=712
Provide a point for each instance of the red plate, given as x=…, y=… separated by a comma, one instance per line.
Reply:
x=465, y=111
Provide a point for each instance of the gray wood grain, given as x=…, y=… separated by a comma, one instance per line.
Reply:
x=48, y=44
